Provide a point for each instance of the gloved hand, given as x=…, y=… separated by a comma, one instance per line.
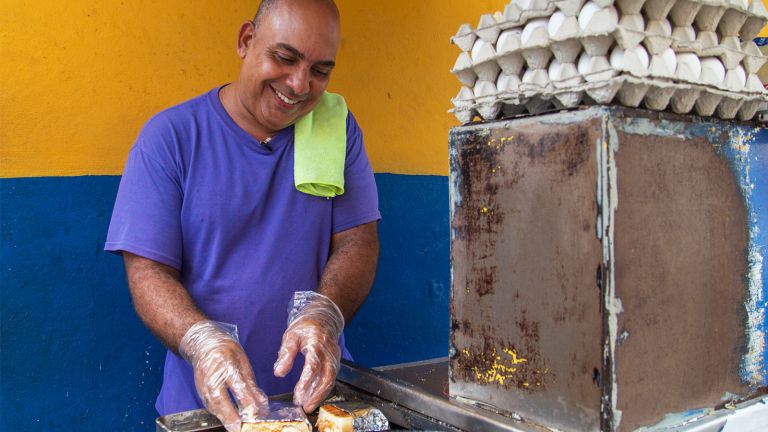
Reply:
x=314, y=326
x=220, y=364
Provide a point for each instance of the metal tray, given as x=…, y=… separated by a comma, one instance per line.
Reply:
x=189, y=421
x=200, y=420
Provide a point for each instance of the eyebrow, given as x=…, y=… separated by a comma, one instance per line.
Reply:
x=299, y=54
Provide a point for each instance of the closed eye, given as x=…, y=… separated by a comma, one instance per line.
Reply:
x=321, y=72
x=285, y=59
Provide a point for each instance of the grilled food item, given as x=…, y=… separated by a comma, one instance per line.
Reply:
x=333, y=419
x=350, y=417
x=277, y=426
x=282, y=417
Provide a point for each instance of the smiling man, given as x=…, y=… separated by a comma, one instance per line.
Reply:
x=215, y=235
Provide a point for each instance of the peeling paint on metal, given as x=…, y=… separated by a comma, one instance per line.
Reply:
x=753, y=364
x=454, y=191
x=655, y=127
x=709, y=419
x=649, y=127
x=607, y=206
x=677, y=420
x=572, y=117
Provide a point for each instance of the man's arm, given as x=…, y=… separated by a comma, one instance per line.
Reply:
x=314, y=330
x=219, y=362
x=351, y=268
x=160, y=300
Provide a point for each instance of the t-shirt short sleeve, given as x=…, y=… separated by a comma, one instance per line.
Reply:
x=146, y=217
x=360, y=202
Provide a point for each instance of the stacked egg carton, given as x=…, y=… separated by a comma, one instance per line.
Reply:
x=684, y=56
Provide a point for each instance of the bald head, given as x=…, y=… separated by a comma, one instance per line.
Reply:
x=266, y=7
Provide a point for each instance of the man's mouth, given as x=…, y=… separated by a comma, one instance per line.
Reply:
x=285, y=98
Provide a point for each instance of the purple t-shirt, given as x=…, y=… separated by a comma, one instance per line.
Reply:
x=203, y=196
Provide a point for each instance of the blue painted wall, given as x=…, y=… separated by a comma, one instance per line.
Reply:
x=72, y=351
x=73, y=354
x=406, y=315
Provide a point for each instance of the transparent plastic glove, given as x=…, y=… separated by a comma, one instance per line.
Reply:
x=314, y=326
x=220, y=364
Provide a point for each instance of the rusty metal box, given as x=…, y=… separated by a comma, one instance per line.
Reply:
x=607, y=266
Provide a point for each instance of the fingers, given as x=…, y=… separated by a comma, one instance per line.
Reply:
x=219, y=404
x=321, y=361
x=316, y=381
x=287, y=354
x=252, y=401
x=233, y=427
x=223, y=370
x=324, y=386
x=307, y=381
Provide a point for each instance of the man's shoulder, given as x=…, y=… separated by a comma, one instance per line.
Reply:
x=169, y=134
x=180, y=116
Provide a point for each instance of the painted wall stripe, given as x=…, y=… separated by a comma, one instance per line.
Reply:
x=406, y=316
x=75, y=102
x=74, y=354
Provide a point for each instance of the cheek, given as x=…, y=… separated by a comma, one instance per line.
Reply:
x=317, y=87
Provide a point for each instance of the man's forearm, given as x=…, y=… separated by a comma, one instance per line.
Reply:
x=351, y=267
x=160, y=300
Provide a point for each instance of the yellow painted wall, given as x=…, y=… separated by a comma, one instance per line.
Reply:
x=79, y=78
x=764, y=32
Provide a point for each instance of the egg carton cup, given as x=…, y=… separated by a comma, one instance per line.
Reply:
x=682, y=16
x=569, y=8
x=513, y=105
x=518, y=12
x=626, y=90
x=464, y=38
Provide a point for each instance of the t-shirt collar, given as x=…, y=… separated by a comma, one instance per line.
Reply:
x=268, y=146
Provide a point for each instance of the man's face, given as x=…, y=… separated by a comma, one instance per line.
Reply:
x=287, y=63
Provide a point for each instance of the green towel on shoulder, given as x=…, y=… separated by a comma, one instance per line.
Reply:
x=320, y=148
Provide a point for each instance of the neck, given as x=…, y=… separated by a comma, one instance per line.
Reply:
x=230, y=100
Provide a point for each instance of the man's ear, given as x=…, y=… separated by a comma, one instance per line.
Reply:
x=244, y=38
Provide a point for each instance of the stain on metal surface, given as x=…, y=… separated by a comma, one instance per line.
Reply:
x=503, y=363
x=525, y=313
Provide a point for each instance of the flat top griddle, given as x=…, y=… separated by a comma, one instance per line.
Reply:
x=414, y=396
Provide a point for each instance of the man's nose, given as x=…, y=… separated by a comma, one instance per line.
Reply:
x=298, y=81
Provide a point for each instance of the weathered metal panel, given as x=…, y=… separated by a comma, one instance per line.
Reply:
x=526, y=312
x=680, y=246
x=607, y=266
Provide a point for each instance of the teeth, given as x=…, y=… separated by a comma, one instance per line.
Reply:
x=285, y=98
